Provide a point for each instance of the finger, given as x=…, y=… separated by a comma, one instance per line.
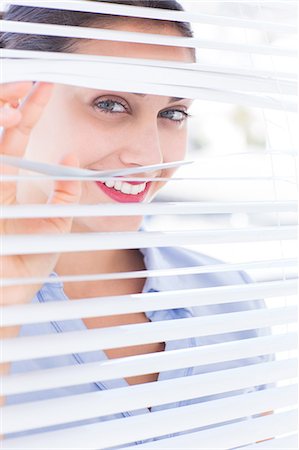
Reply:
x=15, y=140
x=10, y=96
x=9, y=116
x=65, y=193
x=13, y=92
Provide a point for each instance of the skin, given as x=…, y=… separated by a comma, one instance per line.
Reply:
x=71, y=125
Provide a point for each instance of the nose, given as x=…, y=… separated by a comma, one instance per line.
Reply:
x=142, y=146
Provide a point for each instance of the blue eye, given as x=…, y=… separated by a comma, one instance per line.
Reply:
x=110, y=106
x=175, y=115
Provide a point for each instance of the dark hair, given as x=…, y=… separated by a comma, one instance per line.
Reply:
x=75, y=18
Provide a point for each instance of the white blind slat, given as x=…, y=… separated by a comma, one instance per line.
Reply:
x=281, y=264
x=156, y=208
x=159, y=423
x=288, y=442
x=61, y=410
x=231, y=435
x=92, y=82
x=29, y=347
x=148, y=363
x=126, y=304
x=24, y=55
x=40, y=243
x=159, y=14
x=290, y=179
x=133, y=37
x=58, y=169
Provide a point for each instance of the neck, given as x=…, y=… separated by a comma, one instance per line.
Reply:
x=90, y=263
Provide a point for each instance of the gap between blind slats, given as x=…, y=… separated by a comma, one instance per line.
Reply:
x=156, y=208
x=157, y=75
x=217, y=45
x=230, y=435
x=80, y=32
x=210, y=68
x=149, y=301
x=148, y=363
x=29, y=347
x=281, y=264
x=159, y=14
x=288, y=442
x=64, y=410
x=75, y=242
x=159, y=423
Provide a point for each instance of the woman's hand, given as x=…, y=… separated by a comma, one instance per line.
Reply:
x=18, y=120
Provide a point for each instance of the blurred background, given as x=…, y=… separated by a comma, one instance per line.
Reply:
x=231, y=140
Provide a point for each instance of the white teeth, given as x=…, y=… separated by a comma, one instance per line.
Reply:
x=126, y=188
x=117, y=185
x=110, y=183
x=135, y=189
x=141, y=187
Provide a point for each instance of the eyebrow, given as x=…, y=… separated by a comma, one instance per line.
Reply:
x=171, y=99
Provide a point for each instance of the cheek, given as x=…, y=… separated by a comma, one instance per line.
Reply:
x=94, y=141
x=174, y=145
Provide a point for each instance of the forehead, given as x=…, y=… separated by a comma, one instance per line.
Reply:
x=136, y=50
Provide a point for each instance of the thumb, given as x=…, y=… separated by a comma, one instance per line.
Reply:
x=67, y=192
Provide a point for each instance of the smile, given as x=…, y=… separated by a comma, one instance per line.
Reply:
x=123, y=191
x=124, y=187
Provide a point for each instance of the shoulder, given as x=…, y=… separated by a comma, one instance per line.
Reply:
x=212, y=277
x=209, y=273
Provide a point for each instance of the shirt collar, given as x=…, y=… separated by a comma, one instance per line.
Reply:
x=156, y=259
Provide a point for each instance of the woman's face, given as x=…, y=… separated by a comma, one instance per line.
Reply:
x=107, y=130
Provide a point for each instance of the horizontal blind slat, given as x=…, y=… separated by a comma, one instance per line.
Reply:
x=60, y=169
x=45, y=243
x=288, y=442
x=47, y=29
x=159, y=423
x=228, y=179
x=231, y=435
x=148, y=363
x=281, y=264
x=209, y=68
x=157, y=208
x=205, y=87
x=160, y=14
x=64, y=410
x=92, y=82
x=29, y=347
x=133, y=37
x=149, y=301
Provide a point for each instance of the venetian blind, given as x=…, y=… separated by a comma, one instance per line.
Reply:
x=237, y=206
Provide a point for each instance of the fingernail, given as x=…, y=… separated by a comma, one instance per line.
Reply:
x=7, y=109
